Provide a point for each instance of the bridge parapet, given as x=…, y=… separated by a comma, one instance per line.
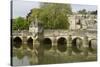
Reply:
x=70, y=32
x=21, y=33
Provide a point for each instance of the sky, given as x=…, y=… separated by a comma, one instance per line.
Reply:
x=22, y=8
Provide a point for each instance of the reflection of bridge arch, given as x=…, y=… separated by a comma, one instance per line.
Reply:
x=76, y=44
x=93, y=44
x=30, y=43
x=62, y=44
x=47, y=43
x=17, y=42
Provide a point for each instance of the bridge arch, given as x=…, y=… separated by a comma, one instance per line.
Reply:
x=30, y=42
x=77, y=44
x=62, y=44
x=17, y=42
x=93, y=44
x=47, y=43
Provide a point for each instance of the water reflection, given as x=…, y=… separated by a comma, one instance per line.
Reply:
x=24, y=56
x=19, y=62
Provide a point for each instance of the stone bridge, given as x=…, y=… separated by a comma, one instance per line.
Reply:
x=58, y=39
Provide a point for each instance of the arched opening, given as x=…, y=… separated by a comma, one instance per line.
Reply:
x=47, y=44
x=62, y=44
x=93, y=44
x=76, y=44
x=17, y=42
x=30, y=43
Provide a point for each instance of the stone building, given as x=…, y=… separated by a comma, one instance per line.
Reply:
x=81, y=27
x=79, y=21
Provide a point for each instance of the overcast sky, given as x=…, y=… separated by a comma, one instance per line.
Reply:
x=22, y=8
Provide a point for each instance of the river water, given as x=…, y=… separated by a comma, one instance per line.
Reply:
x=19, y=62
x=23, y=57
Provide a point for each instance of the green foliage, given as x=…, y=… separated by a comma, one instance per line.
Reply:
x=53, y=16
x=94, y=12
x=82, y=11
x=32, y=15
x=19, y=24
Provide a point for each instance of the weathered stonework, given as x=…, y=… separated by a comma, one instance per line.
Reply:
x=83, y=27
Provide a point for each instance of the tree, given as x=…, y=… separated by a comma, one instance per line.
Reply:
x=32, y=15
x=53, y=16
x=19, y=24
x=94, y=12
x=82, y=11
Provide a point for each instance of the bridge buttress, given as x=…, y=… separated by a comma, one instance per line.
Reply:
x=85, y=46
x=69, y=45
